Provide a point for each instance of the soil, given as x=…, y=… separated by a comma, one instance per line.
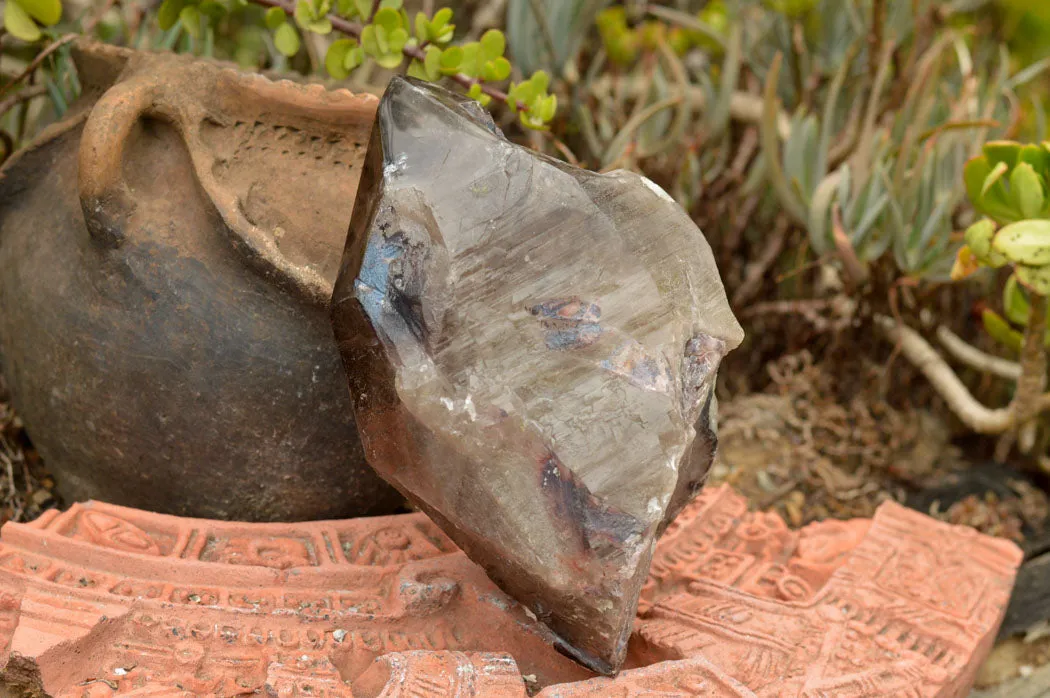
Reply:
x=796, y=448
x=26, y=488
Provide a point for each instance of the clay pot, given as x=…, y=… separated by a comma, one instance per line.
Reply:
x=167, y=253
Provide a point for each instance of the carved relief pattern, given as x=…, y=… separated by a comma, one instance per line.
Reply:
x=901, y=605
x=136, y=604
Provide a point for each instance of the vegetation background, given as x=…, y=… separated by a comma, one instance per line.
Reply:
x=857, y=166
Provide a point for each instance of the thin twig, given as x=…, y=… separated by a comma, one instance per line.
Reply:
x=738, y=222
x=35, y=63
x=24, y=96
x=756, y=270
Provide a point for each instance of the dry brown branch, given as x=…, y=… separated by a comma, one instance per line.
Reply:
x=35, y=63
x=757, y=269
x=924, y=357
x=1029, y=399
x=838, y=310
x=24, y=96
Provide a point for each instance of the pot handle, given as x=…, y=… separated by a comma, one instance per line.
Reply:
x=157, y=88
x=105, y=198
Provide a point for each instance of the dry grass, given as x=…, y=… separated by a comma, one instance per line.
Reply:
x=802, y=449
x=25, y=489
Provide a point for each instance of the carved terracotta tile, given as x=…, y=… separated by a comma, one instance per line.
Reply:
x=102, y=598
x=426, y=673
x=103, y=601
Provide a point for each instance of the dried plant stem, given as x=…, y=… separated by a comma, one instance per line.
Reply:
x=756, y=270
x=1029, y=398
x=40, y=57
x=924, y=357
x=975, y=358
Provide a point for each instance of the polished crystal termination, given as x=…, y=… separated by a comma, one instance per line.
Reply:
x=531, y=350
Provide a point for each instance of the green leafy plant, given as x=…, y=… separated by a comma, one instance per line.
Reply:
x=24, y=18
x=382, y=31
x=1008, y=184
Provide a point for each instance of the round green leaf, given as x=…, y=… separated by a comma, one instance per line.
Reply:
x=422, y=27
x=498, y=69
x=1027, y=190
x=493, y=44
x=212, y=9
x=387, y=18
x=190, y=17
x=275, y=16
x=335, y=58
x=354, y=58
x=168, y=14
x=451, y=58
x=993, y=177
x=47, y=12
x=368, y=40
x=1025, y=242
x=417, y=70
x=397, y=40
x=1037, y=157
x=547, y=108
x=286, y=39
x=389, y=60
x=471, y=63
x=432, y=62
x=1014, y=302
x=1000, y=330
x=540, y=81
x=442, y=17
x=979, y=237
x=18, y=22
x=1035, y=278
x=322, y=26
x=304, y=13
x=1006, y=152
x=382, y=41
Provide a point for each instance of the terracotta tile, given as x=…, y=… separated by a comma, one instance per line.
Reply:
x=103, y=601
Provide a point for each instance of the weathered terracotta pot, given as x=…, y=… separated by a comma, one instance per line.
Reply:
x=167, y=253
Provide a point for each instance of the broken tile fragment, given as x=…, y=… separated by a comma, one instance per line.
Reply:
x=102, y=600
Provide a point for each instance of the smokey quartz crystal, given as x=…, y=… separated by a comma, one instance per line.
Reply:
x=531, y=351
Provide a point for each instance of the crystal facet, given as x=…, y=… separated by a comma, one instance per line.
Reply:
x=531, y=350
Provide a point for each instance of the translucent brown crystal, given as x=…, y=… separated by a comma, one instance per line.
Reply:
x=531, y=351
